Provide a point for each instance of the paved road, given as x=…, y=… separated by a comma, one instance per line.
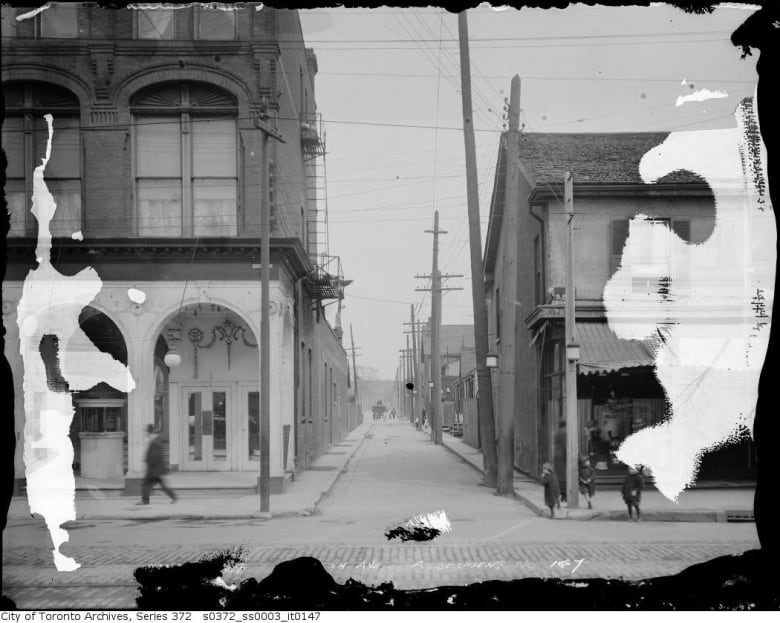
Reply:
x=396, y=473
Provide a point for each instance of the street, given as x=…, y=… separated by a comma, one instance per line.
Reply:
x=396, y=473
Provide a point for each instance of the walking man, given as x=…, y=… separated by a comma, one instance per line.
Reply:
x=155, y=468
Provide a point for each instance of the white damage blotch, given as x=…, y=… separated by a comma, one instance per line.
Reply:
x=436, y=521
x=33, y=13
x=700, y=96
x=50, y=305
x=77, y=236
x=710, y=313
x=137, y=296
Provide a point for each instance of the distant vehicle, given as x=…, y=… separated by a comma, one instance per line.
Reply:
x=379, y=410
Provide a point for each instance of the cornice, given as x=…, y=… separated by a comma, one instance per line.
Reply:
x=20, y=47
x=287, y=252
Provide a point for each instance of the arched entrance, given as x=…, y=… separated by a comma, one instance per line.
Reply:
x=207, y=389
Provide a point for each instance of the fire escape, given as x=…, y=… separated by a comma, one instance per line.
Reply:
x=326, y=281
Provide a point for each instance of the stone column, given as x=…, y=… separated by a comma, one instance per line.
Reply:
x=277, y=378
x=140, y=407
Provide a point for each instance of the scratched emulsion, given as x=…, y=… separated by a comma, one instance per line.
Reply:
x=422, y=527
x=710, y=316
x=50, y=306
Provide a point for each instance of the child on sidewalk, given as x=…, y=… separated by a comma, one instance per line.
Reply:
x=587, y=477
x=552, y=490
x=632, y=492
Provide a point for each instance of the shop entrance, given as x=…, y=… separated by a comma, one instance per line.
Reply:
x=207, y=435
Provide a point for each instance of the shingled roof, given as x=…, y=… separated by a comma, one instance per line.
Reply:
x=608, y=158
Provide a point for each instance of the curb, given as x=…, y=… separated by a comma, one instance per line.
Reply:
x=310, y=510
x=692, y=516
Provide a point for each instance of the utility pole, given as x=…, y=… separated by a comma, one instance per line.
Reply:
x=354, y=375
x=509, y=330
x=436, y=332
x=264, y=480
x=407, y=368
x=415, y=375
x=484, y=386
x=572, y=356
x=436, y=290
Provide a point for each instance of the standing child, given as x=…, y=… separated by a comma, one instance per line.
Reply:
x=632, y=492
x=587, y=477
x=552, y=490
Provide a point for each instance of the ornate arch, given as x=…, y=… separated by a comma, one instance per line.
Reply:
x=172, y=310
x=54, y=76
x=142, y=78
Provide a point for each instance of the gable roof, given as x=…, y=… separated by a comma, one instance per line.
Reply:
x=606, y=158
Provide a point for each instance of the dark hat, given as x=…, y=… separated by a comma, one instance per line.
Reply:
x=150, y=428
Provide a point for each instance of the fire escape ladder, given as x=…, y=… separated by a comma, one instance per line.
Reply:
x=313, y=143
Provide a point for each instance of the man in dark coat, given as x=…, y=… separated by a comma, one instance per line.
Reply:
x=587, y=478
x=155, y=468
x=552, y=490
x=632, y=492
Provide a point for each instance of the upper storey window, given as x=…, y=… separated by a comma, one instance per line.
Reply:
x=186, y=160
x=59, y=21
x=209, y=24
x=25, y=136
x=216, y=24
x=156, y=23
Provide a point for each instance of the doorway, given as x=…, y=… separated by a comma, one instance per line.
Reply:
x=207, y=438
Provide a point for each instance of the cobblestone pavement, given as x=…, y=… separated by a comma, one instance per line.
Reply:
x=395, y=474
x=105, y=579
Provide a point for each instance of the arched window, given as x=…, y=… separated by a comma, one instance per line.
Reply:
x=25, y=135
x=186, y=160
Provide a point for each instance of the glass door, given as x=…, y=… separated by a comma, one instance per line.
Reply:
x=250, y=428
x=207, y=440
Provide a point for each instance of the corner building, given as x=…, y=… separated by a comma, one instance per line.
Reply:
x=171, y=128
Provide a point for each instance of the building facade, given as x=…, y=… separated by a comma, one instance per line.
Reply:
x=617, y=389
x=172, y=126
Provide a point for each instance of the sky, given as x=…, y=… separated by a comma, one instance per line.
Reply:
x=388, y=91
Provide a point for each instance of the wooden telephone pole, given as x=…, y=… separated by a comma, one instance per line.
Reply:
x=487, y=426
x=416, y=402
x=264, y=478
x=572, y=355
x=507, y=356
x=354, y=375
x=436, y=290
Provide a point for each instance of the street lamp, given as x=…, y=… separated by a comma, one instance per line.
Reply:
x=491, y=360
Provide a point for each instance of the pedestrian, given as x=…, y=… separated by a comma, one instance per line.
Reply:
x=632, y=492
x=155, y=467
x=587, y=477
x=552, y=490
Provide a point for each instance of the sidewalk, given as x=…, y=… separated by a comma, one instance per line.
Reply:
x=693, y=504
x=300, y=499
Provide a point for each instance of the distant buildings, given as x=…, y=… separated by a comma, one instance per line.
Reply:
x=165, y=146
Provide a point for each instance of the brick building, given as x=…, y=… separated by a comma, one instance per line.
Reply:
x=171, y=127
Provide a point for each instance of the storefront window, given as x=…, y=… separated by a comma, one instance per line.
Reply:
x=101, y=416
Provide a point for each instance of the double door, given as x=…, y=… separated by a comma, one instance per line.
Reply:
x=221, y=428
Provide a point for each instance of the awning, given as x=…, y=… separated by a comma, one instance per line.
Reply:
x=603, y=351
